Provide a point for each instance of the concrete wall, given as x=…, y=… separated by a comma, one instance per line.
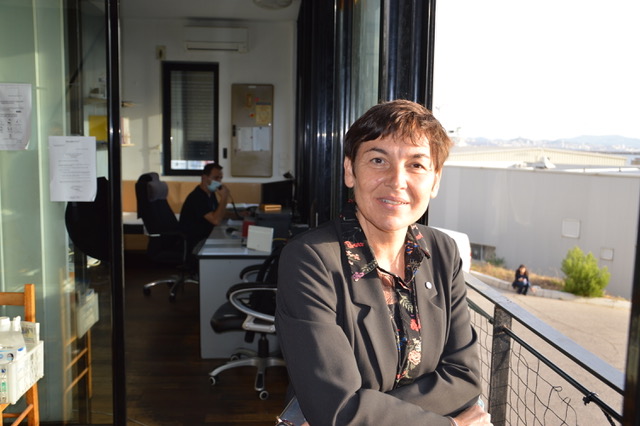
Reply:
x=269, y=60
x=521, y=213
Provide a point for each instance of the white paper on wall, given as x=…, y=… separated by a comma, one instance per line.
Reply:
x=72, y=168
x=15, y=116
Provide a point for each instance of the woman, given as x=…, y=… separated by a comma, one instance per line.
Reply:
x=521, y=282
x=371, y=311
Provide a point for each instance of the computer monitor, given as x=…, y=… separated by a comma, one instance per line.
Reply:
x=279, y=221
x=280, y=192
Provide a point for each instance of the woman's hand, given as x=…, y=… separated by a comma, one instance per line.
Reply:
x=473, y=416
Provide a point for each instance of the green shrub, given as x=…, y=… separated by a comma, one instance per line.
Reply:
x=583, y=276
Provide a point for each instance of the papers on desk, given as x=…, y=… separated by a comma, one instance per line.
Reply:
x=241, y=206
x=260, y=238
x=222, y=242
x=220, y=238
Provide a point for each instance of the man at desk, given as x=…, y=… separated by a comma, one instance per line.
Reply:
x=205, y=206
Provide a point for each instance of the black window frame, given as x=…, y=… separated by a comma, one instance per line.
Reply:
x=167, y=68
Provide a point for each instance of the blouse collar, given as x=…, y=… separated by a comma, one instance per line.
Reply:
x=357, y=250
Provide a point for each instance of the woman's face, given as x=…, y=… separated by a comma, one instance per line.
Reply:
x=393, y=181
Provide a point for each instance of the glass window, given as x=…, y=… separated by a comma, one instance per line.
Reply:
x=59, y=52
x=537, y=70
x=555, y=83
x=542, y=85
x=365, y=58
x=189, y=116
x=525, y=87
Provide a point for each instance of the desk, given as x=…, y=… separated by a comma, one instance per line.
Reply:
x=221, y=259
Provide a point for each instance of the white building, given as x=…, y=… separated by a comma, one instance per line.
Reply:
x=535, y=156
x=533, y=216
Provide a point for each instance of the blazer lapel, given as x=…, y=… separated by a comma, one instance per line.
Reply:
x=374, y=316
x=431, y=314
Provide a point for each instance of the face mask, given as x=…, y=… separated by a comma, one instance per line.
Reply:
x=214, y=185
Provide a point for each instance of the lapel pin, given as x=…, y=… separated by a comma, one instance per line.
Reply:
x=428, y=285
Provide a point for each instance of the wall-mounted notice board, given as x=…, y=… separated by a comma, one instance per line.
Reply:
x=252, y=132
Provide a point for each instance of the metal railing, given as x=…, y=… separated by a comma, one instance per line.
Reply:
x=534, y=375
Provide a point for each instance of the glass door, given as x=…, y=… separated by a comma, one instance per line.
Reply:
x=53, y=60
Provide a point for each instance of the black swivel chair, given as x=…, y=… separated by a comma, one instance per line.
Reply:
x=88, y=223
x=251, y=308
x=167, y=244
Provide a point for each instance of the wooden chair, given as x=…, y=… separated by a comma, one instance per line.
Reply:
x=32, y=411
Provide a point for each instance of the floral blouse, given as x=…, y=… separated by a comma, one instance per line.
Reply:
x=399, y=291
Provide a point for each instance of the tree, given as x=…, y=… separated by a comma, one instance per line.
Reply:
x=583, y=276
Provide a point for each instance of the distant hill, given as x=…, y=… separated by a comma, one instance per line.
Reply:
x=608, y=143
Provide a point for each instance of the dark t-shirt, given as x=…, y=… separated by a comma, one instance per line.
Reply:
x=197, y=204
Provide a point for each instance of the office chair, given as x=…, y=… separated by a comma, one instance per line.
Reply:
x=88, y=223
x=167, y=244
x=253, y=272
x=251, y=308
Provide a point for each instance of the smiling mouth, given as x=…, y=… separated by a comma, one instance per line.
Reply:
x=393, y=202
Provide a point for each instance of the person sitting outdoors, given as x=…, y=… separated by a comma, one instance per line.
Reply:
x=204, y=208
x=521, y=283
x=371, y=311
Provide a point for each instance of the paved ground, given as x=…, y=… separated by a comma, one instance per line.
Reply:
x=599, y=325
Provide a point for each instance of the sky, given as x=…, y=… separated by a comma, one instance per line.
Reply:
x=538, y=69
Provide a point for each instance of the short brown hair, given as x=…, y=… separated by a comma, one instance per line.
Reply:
x=402, y=118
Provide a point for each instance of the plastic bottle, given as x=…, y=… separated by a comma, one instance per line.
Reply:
x=12, y=343
x=5, y=325
x=18, y=338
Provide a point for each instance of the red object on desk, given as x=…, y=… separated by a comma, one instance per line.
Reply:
x=245, y=226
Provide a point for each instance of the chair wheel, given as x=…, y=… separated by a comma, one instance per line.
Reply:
x=234, y=357
x=263, y=395
x=172, y=298
x=212, y=380
x=146, y=291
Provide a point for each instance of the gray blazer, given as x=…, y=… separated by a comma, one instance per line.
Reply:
x=339, y=344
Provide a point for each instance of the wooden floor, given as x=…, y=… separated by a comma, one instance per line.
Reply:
x=167, y=381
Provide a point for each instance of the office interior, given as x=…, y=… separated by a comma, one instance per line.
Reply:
x=85, y=60
x=327, y=62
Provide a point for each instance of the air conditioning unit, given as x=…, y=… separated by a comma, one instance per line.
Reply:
x=215, y=39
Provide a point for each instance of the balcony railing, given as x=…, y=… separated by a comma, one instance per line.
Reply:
x=533, y=374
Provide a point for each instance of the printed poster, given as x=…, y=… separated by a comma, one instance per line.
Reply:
x=15, y=116
x=72, y=168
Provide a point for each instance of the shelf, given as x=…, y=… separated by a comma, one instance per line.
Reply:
x=95, y=101
x=103, y=101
